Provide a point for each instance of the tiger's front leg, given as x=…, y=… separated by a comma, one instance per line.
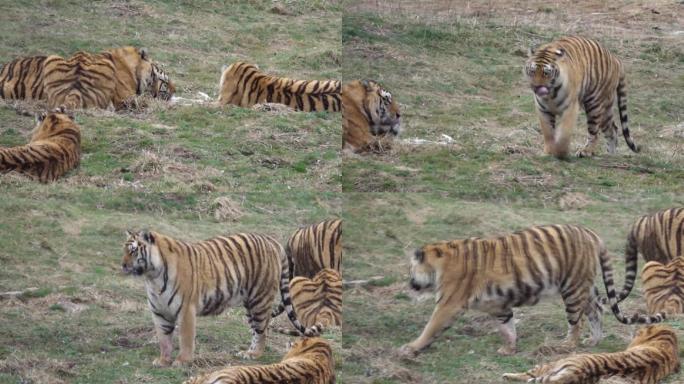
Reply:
x=547, y=122
x=165, y=347
x=186, y=336
x=442, y=318
x=563, y=132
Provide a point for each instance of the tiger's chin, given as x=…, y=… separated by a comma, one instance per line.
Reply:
x=418, y=285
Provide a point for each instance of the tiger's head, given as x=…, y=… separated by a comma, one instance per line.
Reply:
x=140, y=253
x=427, y=265
x=382, y=110
x=161, y=86
x=308, y=345
x=543, y=68
x=52, y=122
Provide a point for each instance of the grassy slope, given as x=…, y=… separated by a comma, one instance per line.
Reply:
x=163, y=169
x=455, y=67
x=458, y=73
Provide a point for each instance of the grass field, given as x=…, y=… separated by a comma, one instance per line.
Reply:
x=455, y=67
x=188, y=171
x=383, y=230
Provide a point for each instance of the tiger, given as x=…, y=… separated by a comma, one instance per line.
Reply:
x=22, y=79
x=315, y=247
x=244, y=85
x=572, y=73
x=54, y=148
x=309, y=361
x=370, y=116
x=663, y=286
x=658, y=237
x=318, y=301
x=184, y=280
x=651, y=356
x=105, y=80
x=496, y=274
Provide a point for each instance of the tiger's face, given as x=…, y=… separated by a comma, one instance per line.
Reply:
x=426, y=264
x=139, y=250
x=161, y=86
x=542, y=69
x=384, y=111
x=48, y=123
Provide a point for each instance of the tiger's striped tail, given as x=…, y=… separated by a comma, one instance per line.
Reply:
x=607, y=272
x=624, y=121
x=631, y=261
x=287, y=301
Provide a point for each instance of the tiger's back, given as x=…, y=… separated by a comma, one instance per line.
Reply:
x=663, y=286
x=313, y=248
x=244, y=85
x=370, y=116
x=318, y=301
x=309, y=361
x=22, y=78
x=657, y=237
x=54, y=149
x=651, y=356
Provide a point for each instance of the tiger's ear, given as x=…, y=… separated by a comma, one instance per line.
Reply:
x=130, y=233
x=40, y=117
x=143, y=53
x=560, y=52
x=530, y=50
x=420, y=255
x=366, y=84
x=148, y=236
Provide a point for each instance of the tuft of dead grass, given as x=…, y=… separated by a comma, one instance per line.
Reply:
x=226, y=209
x=573, y=200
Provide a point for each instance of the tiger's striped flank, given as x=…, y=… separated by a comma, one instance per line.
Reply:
x=22, y=78
x=498, y=274
x=652, y=355
x=244, y=85
x=664, y=286
x=204, y=278
x=309, y=361
x=54, y=149
x=317, y=301
x=658, y=237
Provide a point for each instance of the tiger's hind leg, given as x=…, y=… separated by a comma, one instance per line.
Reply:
x=576, y=300
x=594, y=311
x=507, y=329
x=258, y=316
x=599, y=117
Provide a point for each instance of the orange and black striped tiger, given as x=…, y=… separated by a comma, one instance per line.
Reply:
x=663, y=286
x=572, y=73
x=652, y=355
x=184, y=280
x=54, y=149
x=104, y=80
x=658, y=237
x=314, y=247
x=244, y=85
x=22, y=78
x=370, y=116
x=317, y=301
x=497, y=274
x=309, y=361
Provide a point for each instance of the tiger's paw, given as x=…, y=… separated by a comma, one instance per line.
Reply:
x=585, y=153
x=590, y=342
x=181, y=362
x=516, y=377
x=161, y=363
x=506, y=350
x=407, y=350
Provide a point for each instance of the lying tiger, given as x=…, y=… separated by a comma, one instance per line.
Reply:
x=652, y=355
x=85, y=80
x=317, y=301
x=370, y=117
x=664, y=286
x=497, y=274
x=244, y=85
x=309, y=361
x=54, y=149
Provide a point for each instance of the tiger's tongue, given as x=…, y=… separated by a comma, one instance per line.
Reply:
x=541, y=91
